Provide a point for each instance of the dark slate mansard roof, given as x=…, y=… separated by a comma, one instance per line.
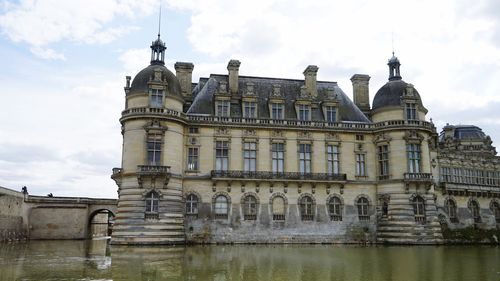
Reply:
x=140, y=82
x=204, y=92
x=390, y=94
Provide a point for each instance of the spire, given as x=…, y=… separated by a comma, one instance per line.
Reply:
x=394, y=68
x=158, y=46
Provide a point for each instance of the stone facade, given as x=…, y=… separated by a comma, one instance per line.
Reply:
x=243, y=159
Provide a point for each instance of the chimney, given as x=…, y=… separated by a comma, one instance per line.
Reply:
x=184, y=72
x=360, y=90
x=310, y=80
x=233, y=67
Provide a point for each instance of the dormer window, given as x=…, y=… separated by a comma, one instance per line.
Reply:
x=411, y=111
x=156, y=97
x=249, y=109
x=304, y=112
x=277, y=111
x=331, y=114
x=222, y=108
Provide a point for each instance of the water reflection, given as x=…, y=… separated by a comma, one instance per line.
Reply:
x=96, y=260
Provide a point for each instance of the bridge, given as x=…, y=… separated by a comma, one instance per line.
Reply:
x=43, y=217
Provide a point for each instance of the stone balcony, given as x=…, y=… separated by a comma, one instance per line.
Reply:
x=267, y=122
x=418, y=177
x=153, y=170
x=273, y=176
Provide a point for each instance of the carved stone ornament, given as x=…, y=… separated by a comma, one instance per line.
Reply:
x=331, y=95
x=332, y=136
x=157, y=75
x=222, y=131
x=276, y=93
x=382, y=138
x=304, y=135
x=277, y=134
x=413, y=135
x=155, y=125
x=409, y=92
x=222, y=87
x=303, y=93
x=249, y=133
x=250, y=90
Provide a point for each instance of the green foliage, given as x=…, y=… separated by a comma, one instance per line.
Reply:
x=472, y=235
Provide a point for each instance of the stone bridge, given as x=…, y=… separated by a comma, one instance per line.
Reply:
x=43, y=217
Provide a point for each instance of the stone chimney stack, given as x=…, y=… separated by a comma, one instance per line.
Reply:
x=310, y=80
x=233, y=67
x=184, y=72
x=361, y=94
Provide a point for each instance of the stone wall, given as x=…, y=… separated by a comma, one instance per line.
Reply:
x=12, y=215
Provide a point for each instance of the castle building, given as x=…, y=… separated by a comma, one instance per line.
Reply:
x=244, y=159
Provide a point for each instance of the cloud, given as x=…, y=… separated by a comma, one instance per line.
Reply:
x=43, y=23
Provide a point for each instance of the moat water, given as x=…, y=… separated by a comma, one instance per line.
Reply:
x=96, y=260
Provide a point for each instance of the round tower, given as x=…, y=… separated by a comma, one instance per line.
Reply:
x=150, y=209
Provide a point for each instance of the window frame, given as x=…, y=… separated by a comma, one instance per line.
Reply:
x=278, y=157
x=335, y=209
x=221, y=155
x=156, y=98
x=414, y=157
x=305, y=155
x=249, y=156
x=223, y=108
x=333, y=159
x=154, y=147
x=383, y=161
x=193, y=161
x=192, y=204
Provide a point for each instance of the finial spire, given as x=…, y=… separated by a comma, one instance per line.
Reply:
x=159, y=21
x=158, y=46
x=394, y=65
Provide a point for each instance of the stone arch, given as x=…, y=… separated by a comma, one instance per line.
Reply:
x=306, y=195
x=334, y=214
x=493, y=201
x=218, y=193
x=189, y=192
x=471, y=201
x=222, y=215
x=149, y=190
x=100, y=227
x=356, y=200
x=246, y=194
x=277, y=213
x=472, y=204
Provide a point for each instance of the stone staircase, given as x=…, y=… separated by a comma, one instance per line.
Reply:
x=400, y=226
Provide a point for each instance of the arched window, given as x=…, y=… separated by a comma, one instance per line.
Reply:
x=495, y=208
x=419, y=209
x=307, y=208
x=475, y=211
x=221, y=207
x=192, y=205
x=451, y=209
x=250, y=207
x=152, y=203
x=278, y=208
x=363, y=205
x=335, y=208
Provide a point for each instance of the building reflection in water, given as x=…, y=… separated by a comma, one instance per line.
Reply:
x=96, y=260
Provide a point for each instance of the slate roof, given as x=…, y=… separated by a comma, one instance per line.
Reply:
x=203, y=103
x=390, y=94
x=140, y=82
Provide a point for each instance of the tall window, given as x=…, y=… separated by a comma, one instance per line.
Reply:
x=156, y=98
x=306, y=208
x=451, y=209
x=249, y=109
x=221, y=207
x=193, y=157
x=419, y=209
x=154, y=148
x=152, y=203
x=475, y=210
x=304, y=158
x=495, y=208
x=360, y=165
x=413, y=152
x=383, y=161
x=411, y=111
x=221, y=155
x=249, y=157
x=278, y=157
x=192, y=205
x=333, y=159
x=278, y=208
x=331, y=114
x=250, y=207
x=363, y=205
x=304, y=112
x=277, y=111
x=335, y=208
x=222, y=108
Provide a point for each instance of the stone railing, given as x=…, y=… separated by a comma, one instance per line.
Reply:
x=418, y=176
x=318, y=124
x=153, y=170
x=237, y=174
